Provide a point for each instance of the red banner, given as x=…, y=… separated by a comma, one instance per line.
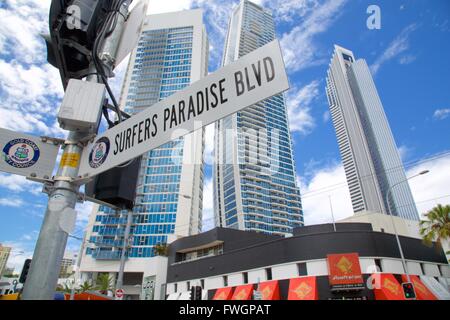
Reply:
x=223, y=294
x=345, y=271
x=303, y=289
x=422, y=292
x=270, y=290
x=243, y=292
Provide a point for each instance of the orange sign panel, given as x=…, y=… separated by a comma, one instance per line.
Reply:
x=223, y=294
x=243, y=292
x=422, y=292
x=270, y=290
x=387, y=288
x=344, y=270
x=303, y=289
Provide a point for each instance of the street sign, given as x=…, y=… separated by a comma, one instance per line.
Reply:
x=26, y=155
x=255, y=77
x=119, y=294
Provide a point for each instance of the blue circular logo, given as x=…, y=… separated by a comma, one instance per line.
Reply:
x=21, y=153
x=99, y=153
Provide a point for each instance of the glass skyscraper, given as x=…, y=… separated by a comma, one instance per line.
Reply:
x=370, y=156
x=171, y=54
x=255, y=185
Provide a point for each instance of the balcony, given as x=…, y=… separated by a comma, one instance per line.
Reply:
x=106, y=255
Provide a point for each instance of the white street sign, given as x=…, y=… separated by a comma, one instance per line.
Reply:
x=255, y=77
x=26, y=155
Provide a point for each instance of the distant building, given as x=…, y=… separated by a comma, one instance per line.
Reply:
x=370, y=156
x=67, y=265
x=4, y=256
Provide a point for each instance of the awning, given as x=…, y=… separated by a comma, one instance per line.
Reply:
x=185, y=296
x=223, y=294
x=243, y=292
x=173, y=296
x=304, y=288
x=422, y=292
x=386, y=287
x=270, y=290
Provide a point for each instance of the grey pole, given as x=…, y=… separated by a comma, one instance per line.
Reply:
x=49, y=252
x=77, y=271
x=393, y=222
x=123, y=256
x=332, y=213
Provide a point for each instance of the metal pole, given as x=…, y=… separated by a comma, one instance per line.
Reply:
x=77, y=271
x=332, y=213
x=123, y=256
x=49, y=252
x=396, y=235
x=393, y=222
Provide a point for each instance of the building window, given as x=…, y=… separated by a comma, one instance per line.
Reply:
x=422, y=268
x=225, y=281
x=202, y=284
x=176, y=287
x=245, y=276
x=269, y=273
x=378, y=264
x=301, y=267
x=189, y=285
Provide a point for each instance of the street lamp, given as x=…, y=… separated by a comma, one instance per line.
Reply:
x=393, y=222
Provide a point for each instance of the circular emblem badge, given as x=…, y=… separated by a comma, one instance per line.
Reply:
x=21, y=153
x=99, y=153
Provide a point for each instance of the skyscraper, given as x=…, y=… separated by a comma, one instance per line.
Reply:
x=171, y=54
x=370, y=156
x=255, y=184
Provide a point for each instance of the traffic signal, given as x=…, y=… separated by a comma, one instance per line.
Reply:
x=73, y=30
x=116, y=186
x=25, y=269
x=408, y=291
x=196, y=293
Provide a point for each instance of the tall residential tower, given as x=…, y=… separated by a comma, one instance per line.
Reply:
x=255, y=185
x=171, y=54
x=370, y=156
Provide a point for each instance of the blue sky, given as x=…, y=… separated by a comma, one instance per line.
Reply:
x=408, y=56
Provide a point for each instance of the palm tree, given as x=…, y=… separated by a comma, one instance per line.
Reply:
x=437, y=226
x=104, y=283
x=161, y=249
x=86, y=286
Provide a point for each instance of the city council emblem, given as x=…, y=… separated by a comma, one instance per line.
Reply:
x=21, y=153
x=99, y=153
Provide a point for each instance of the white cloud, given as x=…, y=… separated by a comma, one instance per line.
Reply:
x=298, y=101
x=326, y=182
x=407, y=59
x=158, y=6
x=433, y=188
x=299, y=47
x=404, y=152
x=11, y=202
x=428, y=190
x=399, y=45
x=441, y=114
x=17, y=183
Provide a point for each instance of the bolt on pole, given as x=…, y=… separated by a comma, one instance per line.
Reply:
x=51, y=244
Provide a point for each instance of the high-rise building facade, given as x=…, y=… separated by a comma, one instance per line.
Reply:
x=4, y=256
x=172, y=53
x=255, y=185
x=369, y=154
